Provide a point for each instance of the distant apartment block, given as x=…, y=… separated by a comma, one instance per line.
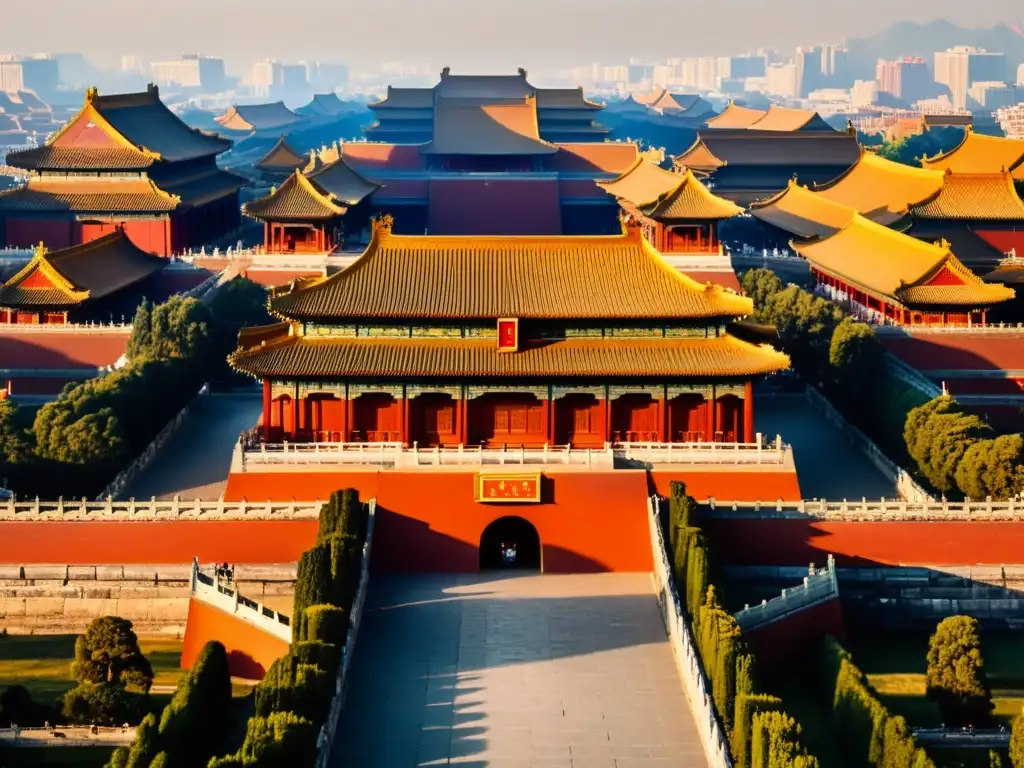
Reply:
x=38, y=73
x=959, y=67
x=820, y=66
x=324, y=76
x=908, y=79
x=190, y=71
x=993, y=95
x=269, y=79
x=132, y=64
x=1020, y=75
x=782, y=80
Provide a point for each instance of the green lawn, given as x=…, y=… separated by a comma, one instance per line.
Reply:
x=42, y=663
x=895, y=665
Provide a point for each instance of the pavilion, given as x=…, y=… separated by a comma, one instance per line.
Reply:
x=306, y=214
x=281, y=162
x=259, y=119
x=503, y=341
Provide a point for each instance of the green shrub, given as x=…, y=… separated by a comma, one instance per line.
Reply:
x=324, y=655
x=103, y=704
x=956, y=679
x=327, y=623
x=776, y=742
x=1017, y=741
x=747, y=706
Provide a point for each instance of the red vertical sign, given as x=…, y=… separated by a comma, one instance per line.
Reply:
x=508, y=334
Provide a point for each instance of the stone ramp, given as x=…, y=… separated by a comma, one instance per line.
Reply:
x=514, y=671
x=196, y=461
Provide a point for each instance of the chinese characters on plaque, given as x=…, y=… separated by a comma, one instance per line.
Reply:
x=508, y=334
x=508, y=488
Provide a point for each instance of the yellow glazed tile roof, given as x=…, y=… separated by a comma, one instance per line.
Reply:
x=801, y=212
x=488, y=129
x=282, y=157
x=735, y=116
x=641, y=183
x=298, y=199
x=977, y=196
x=890, y=264
x=88, y=271
x=786, y=120
x=457, y=278
x=980, y=154
x=689, y=199
x=874, y=183
x=724, y=356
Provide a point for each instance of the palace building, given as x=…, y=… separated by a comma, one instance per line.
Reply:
x=280, y=162
x=310, y=213
x=123, y=161
x=899, y=278
x=676, y=212
x=259, y=119
x=83, y=282
x=978, y=153
x=406, y=115
x=749, y=155
x=502, y=341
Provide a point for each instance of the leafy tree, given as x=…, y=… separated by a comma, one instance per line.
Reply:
x=956, y=678
x=17, y=706
x=992, y=468
x=1017, y=741
x=994, y=759
x=104, y=704
x=855, y=357
x=108, y=654
x=943, y=441
x=181, y=327
x=761, y=285
x=15, y=446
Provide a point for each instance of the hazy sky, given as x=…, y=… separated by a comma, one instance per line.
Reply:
x=489, y=34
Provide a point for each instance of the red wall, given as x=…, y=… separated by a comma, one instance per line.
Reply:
x=797, y=633
x=925, y=543
x=752, y=485
x=470, y=206
x=156, y=542
x=1003, y=240
x=430, y=521
x=250, y=650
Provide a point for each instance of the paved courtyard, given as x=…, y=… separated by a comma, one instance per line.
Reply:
x=827, y=464
x=195, y=463
x=503, y=672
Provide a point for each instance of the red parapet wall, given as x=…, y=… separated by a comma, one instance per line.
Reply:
x=28, y=349
x=730, y=486
x=797, y=633
x=272, y=278
x=431, y=521
x=864, y=544
x=251, y=651
x=116, y=542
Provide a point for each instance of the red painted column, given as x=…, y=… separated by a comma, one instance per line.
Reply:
x=267, y=408
x=669, y=437
x=552, y=420
x=344, y=419
x=465, y=401
x=350, y=420
x=545, y=415
x=405, y=420
x=748, y=412
x=295, y=416
x=608, y=416
x=659, y=435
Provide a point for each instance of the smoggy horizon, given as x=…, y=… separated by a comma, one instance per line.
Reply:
x=476, y=35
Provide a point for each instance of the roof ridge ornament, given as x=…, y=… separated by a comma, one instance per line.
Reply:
x=91, y=94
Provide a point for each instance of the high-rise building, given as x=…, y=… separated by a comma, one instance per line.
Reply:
x=323, y=76
x=959, y=67
x=835, y=70
x=616, y=74
x=190, y=71
x=1020, y=75
x=992, y=95
x=782, y=80
x=132, y=64
x=907, y=79
x=864, y=93
x=37, y=73
x=807, y=63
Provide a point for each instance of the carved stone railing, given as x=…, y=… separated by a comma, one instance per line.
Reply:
x=73, y=736
x=905, y=485
x=325, y=741
x=992, y=329
x=684, y=649
x=214, y=591
x=253, y=456
x=818, y=586
x=170, y=509
x=75, y=328
x=865, y=510
x=144, y=459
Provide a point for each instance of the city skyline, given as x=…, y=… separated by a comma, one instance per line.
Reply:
x=532, y=33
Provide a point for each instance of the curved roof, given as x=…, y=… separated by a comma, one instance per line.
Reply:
x=405, y=98
x=258, y=117
x=792, y=149
x=489, y=129
x=735, y=116
x=801, y=212
x=887, y=263
x=459, y=278
x=297, y=199
x=785, y=119
x=344, y=184
x=977, y=153
x=874, y=183
x=723, y=356
x=699, y=157
x=974, y=196
x=281, y=157
x=641, y=183
x=70, y=276
x=689, y=200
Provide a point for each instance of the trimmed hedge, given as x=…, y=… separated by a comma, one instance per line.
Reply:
x=776, y=742
x=866, y=730
x=728, y=665
x=294, y=697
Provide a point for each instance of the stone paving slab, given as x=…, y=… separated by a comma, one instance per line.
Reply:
x=514, y=672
